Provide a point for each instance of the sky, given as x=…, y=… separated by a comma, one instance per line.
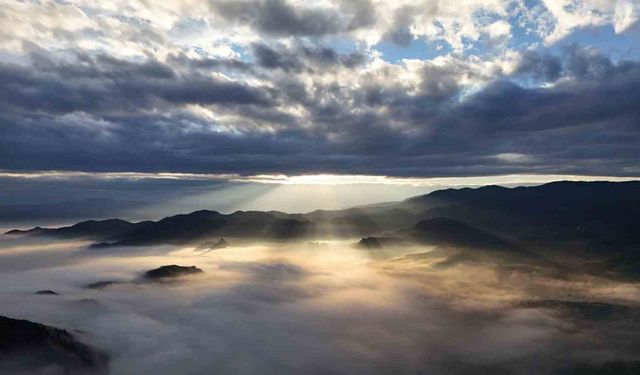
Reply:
x=174, y=96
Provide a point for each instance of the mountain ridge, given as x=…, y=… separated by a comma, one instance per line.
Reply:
x=600, y=215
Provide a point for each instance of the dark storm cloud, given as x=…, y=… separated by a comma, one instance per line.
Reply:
x=305, y=58
x=279, y=17
x=541, y=66
x=209, y=63
x=101, y=114
x=578, y=63
x=106, y=84
x=588, y=63
x=271, y=59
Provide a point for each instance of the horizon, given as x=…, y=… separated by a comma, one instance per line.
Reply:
x=412, y=188
x=511, y=185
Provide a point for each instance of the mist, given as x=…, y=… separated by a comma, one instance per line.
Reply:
x=299, y=307
x=59, y=201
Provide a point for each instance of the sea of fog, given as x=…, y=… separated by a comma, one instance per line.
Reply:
x=319, y=308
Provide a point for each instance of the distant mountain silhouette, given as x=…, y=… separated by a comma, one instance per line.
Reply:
x=603, y=213
x=163, y=273
x=594, y=216
x=180, y=229
x=86, y=229
x=600, y=216
x=33, y=347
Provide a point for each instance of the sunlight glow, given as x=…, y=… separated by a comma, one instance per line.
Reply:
x=316, y=179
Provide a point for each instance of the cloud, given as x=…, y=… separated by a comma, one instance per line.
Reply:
x=570, y=16
x=282, y=18
x=420, y=119
x=338, y=311
x=272, y=87
x=290, y=87
x=400, y=33
x=208, y=64
x=269, y=271
x=104, y=84
x=304, y=58
x=586, y=63
x=544, y=67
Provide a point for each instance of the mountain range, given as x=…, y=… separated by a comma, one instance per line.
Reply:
x=597, y=217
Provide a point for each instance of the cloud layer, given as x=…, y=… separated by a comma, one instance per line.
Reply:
x=290, y=308
x=281, y=86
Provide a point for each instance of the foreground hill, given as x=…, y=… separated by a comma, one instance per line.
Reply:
x=33, y=347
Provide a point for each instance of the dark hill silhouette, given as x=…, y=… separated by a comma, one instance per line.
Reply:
x=90, y=229
x=170, y=271
x=567, y=220
x=180, y=229
x=447, y=197
x=175, y=229
x=46, y=292
x=447, y=232
x=33, y=347
x=602, y=214
x=203, y=224
x=160, y=274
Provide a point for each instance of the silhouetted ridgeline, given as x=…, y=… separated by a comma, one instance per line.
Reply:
x=171, y=271
x=181, y=229
x=594, y=215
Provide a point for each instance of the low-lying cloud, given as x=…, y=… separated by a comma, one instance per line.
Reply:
x=290, y=308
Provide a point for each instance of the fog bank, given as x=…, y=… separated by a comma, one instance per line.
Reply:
x=274, y=308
